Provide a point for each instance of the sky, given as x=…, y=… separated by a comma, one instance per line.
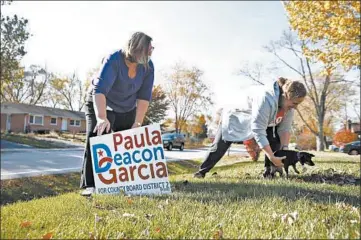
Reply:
x=216, y=37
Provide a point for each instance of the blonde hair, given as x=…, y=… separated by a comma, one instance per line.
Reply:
x=138, y=47
x=292, y=89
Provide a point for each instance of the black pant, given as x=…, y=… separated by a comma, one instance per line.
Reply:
x=274, y=142
x=219, y=147
x=118, y=122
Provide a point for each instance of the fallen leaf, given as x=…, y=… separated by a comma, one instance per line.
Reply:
x=341, y=205
x=157, y=230
x=146, y=232
x=354, y=209
x=48, y=235
x=98, y=206
x=218, y=234
x=25, y=224
x=97, y=218
x=148, y=216
x=130, y=201
x=294, y=215
x=128, y=215
x=274, y=215
x=289, y=218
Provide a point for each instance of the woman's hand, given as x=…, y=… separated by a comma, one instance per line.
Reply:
x=277, y=161
x=136, y=124
x=102, y=124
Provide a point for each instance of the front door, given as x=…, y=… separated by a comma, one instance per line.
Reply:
x=8, y=122
x=64, y=124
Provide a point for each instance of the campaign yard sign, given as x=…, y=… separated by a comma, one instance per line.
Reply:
x=130, y=161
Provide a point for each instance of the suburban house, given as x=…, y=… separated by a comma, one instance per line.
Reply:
x=19, y=117
x=353, y=127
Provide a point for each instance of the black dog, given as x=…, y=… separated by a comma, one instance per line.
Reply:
x=292, y=157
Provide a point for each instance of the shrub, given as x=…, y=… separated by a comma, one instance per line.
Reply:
x=344, y=136
x=306, y=141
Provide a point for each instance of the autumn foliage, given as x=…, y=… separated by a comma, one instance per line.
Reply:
x=333, y=28
x=306, y=140
x=344, y=136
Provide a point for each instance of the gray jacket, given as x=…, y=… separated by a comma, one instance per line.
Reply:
x=242, y=124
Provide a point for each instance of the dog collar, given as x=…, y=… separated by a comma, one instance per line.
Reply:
x=299, y=157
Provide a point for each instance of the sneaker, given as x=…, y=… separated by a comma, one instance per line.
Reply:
x=199, y=175
x=252, y=148
x=88, y=191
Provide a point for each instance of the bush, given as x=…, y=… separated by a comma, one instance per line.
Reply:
x=343, y=137
x=306, y=141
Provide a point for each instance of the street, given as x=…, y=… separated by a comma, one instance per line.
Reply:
x=17, y=163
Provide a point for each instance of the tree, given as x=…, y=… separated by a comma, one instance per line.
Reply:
x=157, y=107
x=30, y=89
x=256, y=72
x=198, y=126
x=322, y=89
x=332, y=26
x=187, y=93
x=344, y=136
x=306, y=140
x=70, y=91
x=13, y=37
x=167, y=124
x=325, y=92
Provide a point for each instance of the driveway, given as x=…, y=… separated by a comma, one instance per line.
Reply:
x=10, y=145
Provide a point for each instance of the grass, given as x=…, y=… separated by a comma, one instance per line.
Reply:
x=31, y=140
x=76, y=137
x=236, y=202
x=46, y=140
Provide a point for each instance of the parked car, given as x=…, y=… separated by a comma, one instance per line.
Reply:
x=333, y=148
x=171, y=140
x=352, y=148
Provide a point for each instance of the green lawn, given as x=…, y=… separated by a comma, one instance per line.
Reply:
x=31, y=140
x=236, y=202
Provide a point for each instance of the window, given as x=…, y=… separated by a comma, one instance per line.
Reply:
x=53, y=121
x=75, y=123
x=36, y=119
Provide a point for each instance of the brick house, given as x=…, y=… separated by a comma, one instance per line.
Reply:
x=354, y=127
x=19, y=117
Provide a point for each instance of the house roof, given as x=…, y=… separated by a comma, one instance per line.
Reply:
x=9, y=107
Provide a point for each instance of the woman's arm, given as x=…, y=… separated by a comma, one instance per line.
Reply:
x=261, y=110
x=101, y=86
x=144, y=96
x=285, y=139
x=142, y=107
x=284, y=128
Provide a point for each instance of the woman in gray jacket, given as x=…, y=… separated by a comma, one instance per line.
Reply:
x=267, y=126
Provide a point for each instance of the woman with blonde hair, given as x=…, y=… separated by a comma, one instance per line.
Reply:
x=267, y=126
x=119, y=96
